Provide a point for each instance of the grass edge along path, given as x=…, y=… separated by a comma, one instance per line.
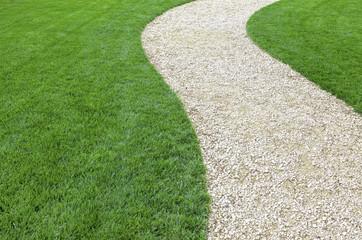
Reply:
x=93, y=143
x=317, y=38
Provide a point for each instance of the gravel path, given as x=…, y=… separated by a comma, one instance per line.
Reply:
x=283, y=157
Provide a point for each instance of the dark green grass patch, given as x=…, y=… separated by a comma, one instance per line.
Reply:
x=320, y=39
x=93, y=143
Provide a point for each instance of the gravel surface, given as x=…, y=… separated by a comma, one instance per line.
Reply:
x=283, y=157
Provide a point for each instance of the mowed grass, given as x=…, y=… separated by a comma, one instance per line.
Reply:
x=93, y=143
x=320, y=39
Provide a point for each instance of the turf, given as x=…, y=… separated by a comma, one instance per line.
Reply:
x=320, y=39
x=93, y=143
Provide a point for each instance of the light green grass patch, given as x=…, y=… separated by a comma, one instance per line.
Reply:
x=320, y=39
x=93, y=143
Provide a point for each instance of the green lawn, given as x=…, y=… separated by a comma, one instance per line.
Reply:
x=321, y=39
x=93, y=143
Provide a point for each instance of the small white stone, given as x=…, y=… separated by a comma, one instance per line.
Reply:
x=255, y=115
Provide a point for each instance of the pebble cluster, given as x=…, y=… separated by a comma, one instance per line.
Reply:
x=283, y=157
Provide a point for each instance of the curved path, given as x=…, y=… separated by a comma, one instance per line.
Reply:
x=283, y=157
